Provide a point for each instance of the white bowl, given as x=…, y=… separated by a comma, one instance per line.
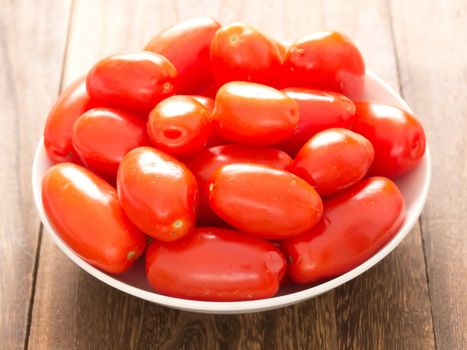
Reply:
x=414, y=187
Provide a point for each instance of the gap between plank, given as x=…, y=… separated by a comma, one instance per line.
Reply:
x=41, y=227
x=420, y=220
x=33, y=287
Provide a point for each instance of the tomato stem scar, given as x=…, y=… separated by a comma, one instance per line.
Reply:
x=167, y=87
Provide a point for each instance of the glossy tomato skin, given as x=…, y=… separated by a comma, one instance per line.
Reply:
x=102, y=136
x=354, y=226
x=241, y=53
x=283, y=47
x=254, y=114
x=85, y=212
x=186, y=45
x=217, y=265
x=397, y=137
x=210, y=90
x=158, y=193
x=325, y=61
x=180, y=126
x=207, y=161
x=264, y=202
x=319, y=110
x=136, y=81
x=333, y=160
x=206, y=101
x=72, y=102
x=215, y=139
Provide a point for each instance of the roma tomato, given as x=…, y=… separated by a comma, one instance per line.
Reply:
x=262, y=201
x=333, y=160
x=325, y=61
x=85, y=212
x=102, y=136
x=397, y=137
x=215, y=264
x=72, y=102
x=207, y=161
x=158, y=193
x=254, y=114
x=319, y=110
x=186, y=45
x=240, y=52
x=355, y=225
x=135, y=81
x=180, y=126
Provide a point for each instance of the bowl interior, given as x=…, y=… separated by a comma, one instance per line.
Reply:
x=414, y=187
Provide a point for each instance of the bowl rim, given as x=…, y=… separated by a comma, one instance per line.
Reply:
x=232, y=307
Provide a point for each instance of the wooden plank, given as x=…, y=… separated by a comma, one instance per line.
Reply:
x=32, y=44
x=432, y=59
x=387, y=307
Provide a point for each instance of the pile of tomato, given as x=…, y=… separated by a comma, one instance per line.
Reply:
x=228, y=160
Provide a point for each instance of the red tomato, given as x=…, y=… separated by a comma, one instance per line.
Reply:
x=240, y=52
x=333, y=160
x=207, y=102
x=158, y=193
x=186, y=45
x=283, y=47
x=85, y=212
x=102, y=136
x=215, y=264
x=179, y=125
x=319, y=110
x=326, y=61
x=355, y=225
x=207, y=161
x=397, y=137
x=72, y=102
x=210, y=90
x=262, y=201
x=135, y=81
x=255, y=114
x=215, y=139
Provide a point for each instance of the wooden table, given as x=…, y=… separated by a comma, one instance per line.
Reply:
x=415, y=299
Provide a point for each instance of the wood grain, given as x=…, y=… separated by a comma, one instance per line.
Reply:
x=387, y=307
x=32, y=42
x=432, y=59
